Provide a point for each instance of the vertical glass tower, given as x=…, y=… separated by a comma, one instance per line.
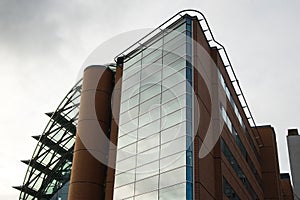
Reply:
x=154, y=151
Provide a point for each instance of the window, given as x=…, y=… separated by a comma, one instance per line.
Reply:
x=236, y=167
x=229, y=191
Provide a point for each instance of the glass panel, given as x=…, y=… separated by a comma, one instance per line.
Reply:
x=189, y=114
x=130, y=149
x=173, y=79
x=170, y=57
x=134, y=59
x=172, y=147
x=173, y=67
x=129, y=115
x=172, y=177
x=148, y=156
x=148, y=105
x=124, y=192
x=178, y=49
x=179, y=88
x=129, y=82
x=152, y=69
x=189, y=100
x=124, y=178
x=131, y=70
x=189, y=158
x=188, y=48
x=126, y=164
x=148, y=170
x=154, y=55
x=122, y=132
x=189, y=74
x=173, y=105
x=156, y=44
x=129, y=126
x=175, y=42
x=149, y=129
x=167, y=95
x=146, y=185
x=189, y=174
x=132, y=91
x=189, y=190
x=148, y=143
x=150, y=116
x=151, y=196
x=127, y=139
x=173, y=118
x=189, y=141
x=132, y=101
x=152, y=80
x=176, y=192
x=152, y=91
x=172, y=162
x=173, y=33
x=173, y=133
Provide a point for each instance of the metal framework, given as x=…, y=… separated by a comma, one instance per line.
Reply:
x=49, y=168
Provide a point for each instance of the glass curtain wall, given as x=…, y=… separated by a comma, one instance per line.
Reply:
x=154, y=153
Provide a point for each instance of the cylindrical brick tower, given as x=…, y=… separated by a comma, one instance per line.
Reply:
x=88, y=174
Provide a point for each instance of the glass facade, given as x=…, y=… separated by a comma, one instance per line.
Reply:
x=154, y=154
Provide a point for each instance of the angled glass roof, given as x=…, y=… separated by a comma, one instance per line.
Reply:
x=49, y=168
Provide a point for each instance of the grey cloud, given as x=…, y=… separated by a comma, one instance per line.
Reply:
x=25, y=28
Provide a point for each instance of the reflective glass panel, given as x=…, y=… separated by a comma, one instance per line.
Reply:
x=146, y=185
x=172, y=177
x=124, y=192
x=147, y=170
x=176, y=192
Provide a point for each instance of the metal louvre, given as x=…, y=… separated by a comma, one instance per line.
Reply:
x=49, y=168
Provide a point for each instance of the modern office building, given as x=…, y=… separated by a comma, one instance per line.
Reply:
x=293, y=141
x=166, y=120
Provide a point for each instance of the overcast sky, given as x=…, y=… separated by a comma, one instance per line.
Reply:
x=44, y=43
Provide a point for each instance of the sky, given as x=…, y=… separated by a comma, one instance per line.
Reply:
x=44, y=43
